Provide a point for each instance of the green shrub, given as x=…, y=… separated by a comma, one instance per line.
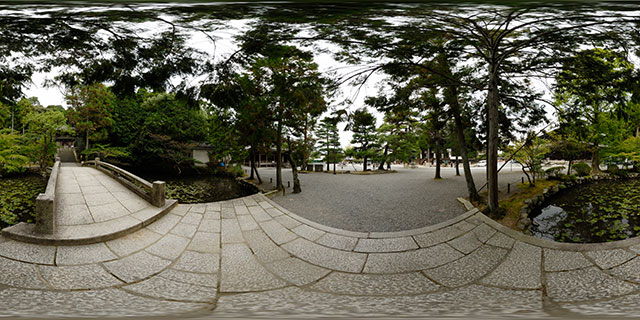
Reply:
x=554, y=172
x=581, y=169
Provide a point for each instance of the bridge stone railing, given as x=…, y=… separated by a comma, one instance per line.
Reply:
x=154, y=192
x=46, y=204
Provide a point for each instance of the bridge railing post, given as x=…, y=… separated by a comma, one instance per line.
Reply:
x=157, y=193
x=97, y=162
x=45, y=214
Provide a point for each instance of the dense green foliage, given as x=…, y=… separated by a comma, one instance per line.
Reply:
x=598, y=212
x=18, y=198
x=582, y=169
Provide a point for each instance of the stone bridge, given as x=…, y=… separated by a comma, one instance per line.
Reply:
x=250, y=257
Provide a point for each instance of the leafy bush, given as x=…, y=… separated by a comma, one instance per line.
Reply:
x=581, y=169
x=554, y=172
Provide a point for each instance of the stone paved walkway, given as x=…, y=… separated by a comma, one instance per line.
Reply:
x=92, y=207
x=249, y=257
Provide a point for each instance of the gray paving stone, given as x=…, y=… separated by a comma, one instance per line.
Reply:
x=78, y=277
x=184, y=230
x=259, y=214
x=585, y=284
x=247, y=223
x=376, y=284
x=181, y=209
x=69, y=187
x=164, y=288
x=326, y=257
x=606, y=259
x=521, y=268
x=104, y=303
x=386, y=245
x=265, y=204
x=338, y=241
x=93, y=189
x=169, y=247
x=198, y=208
x=248, y=201
x=192, y=218
x=241, y=210
x=164, y=224
x=308, y=232
x=137, y=266
x=296, y=271
x=414, y=260
x=465, y=243
x=483, y=232
x=198, y=262
x=231, y=232
x=629, y=270
x=28, y=252
x=264, y=248
x=209, y=225
x=212, y=208
x=99, y=198
x=70, y=199
x=228, y=213
x=557, y=260
x=85, y=254
x=107, y=212
x=501, y=240
x=198, y=279
x=278, y=233
x=274, y=212
x=145, y=214
x=241, y=272
x=135, y=204
x=205, y=242
x=468, y=268
x=287, y=221
x=19, y=274
x=443, y=235
x=133, y=242
x=479, y=302
x=69, y=215
x=124, y=195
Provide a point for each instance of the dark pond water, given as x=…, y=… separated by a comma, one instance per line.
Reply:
x=597, y=212
x=18, y=198
x=202, y=188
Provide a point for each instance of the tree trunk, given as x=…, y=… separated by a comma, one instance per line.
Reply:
x=637, y=131
x=279, y=185
x=492, y=143
x=438, y=161
x=86, y=141
x=569, y=167
x=364, y=164
x=457, y=166
x=327, y=155
x=305, y=144
x=595, y=159
x=294, y=172
x=384, y=158
x=526, y=174
x=252, y=159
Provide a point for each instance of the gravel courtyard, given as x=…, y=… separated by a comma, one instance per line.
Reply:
x=407, y=199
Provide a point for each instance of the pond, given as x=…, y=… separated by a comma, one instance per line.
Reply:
x=202, y=188
x=18, y=198
x=597, y=212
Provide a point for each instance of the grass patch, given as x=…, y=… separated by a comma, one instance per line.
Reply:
x=513, y=204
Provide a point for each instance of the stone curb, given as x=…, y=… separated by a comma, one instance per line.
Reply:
x=25, y=232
